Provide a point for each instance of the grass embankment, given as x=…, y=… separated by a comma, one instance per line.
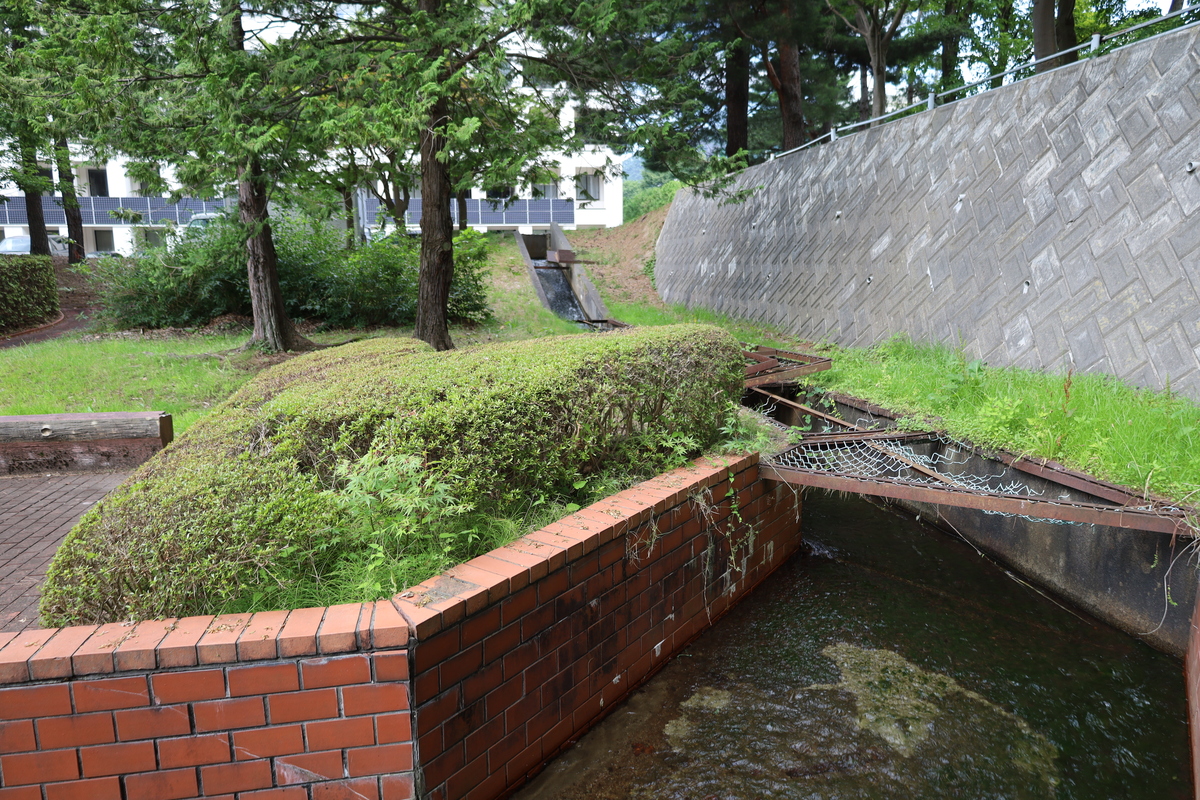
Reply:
x=1140, y=438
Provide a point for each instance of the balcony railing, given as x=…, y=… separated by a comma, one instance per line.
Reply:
x=95, y=210
x=158, y=211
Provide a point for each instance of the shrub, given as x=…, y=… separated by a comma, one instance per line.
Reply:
x=197, y=277
x=28, y=292
x=374, y=451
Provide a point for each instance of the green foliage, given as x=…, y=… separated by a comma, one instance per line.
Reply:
x=198, y=276
x=1092, y=422
x=28, y=292
x=356, y=469
x=648, y=194
x=648, y=270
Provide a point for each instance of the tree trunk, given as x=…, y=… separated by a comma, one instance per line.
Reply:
x=737, y=99
x=864, y=95
x=348, y=207
x=461, y=197
x=1005, y=21
x=273, y=331
x=1064, y=32
x=791, y=95
x=879, y=75
x=1176, y=5
x=70, y=200
x=27, y=182
x=950, y=76
x=1042, y=17
x=437, y=231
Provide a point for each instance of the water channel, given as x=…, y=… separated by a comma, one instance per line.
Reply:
x=891, y=660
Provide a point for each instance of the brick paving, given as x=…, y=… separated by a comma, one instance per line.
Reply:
x=36, y=511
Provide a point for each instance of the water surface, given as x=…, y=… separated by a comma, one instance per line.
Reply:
x=892, y=661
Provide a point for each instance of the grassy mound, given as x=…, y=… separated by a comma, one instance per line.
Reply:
x=371, y=456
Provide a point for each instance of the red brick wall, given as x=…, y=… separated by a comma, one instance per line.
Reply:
x=326, y=727
x=311, y=704
x=505, y=659
x=518, y=652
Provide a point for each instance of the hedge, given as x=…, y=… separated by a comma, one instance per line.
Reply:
x=260, y=479
x=28, y=292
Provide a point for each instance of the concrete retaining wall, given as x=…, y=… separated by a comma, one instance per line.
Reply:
x=457, y=688
x=1048, y=224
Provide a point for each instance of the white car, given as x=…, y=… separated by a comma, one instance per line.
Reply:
x=19, y=245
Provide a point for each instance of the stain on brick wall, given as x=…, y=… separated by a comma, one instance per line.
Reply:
x=518, y=652
x=1047, y=224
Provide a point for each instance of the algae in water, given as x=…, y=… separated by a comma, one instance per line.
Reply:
x=888, y=722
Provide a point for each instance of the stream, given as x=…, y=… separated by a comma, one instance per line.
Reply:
x=891, y=660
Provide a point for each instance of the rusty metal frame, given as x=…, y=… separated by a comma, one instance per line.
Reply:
x=777, y=366
x=1172, y=521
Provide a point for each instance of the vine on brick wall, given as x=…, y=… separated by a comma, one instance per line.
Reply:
x=28, y=292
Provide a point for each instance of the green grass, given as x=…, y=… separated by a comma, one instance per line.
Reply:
x=70, y=376
x=1136, y=437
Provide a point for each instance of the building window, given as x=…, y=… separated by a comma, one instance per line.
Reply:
x=545, y=191
x=104, y=240
x=47, y=174
x=152, y=237
x=97, y=182
x=589, y=187
x=499, y=193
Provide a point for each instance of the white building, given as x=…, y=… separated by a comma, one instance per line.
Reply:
x=586, y=194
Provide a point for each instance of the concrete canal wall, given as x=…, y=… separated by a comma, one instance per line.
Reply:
x=1142, y=582
x=1048, y=224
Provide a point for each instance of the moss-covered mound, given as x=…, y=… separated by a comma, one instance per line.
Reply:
x=268, y=474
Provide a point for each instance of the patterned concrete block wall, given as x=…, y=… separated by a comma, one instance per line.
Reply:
x=518, y=652
x=1048, y=224
x=457, y=688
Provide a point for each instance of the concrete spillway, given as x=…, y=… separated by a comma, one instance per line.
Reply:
x=560, y=280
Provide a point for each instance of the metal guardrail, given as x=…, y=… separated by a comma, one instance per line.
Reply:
x=1088, y=49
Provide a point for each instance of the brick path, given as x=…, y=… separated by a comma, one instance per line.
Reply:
x=36, y=512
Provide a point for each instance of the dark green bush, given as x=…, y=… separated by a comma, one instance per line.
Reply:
x=377, y=284
x=350, y=455
x=197, y=277
x=28, y=292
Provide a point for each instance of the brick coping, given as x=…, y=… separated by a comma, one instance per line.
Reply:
x=415, y=614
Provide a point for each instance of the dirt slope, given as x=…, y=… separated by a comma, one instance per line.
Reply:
x=622, y=254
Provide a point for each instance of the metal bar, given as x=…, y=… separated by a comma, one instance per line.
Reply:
x=1085, y=513
x=853, y=437
x=889, y=115
x=786, y=375
x=764, y=363
x=1057, y=473
x=805, y=409
x=1140, y=25
x=937, y=476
